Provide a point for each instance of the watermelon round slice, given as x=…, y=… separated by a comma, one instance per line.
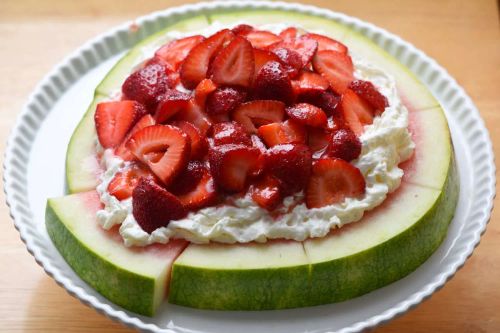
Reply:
x=388, y=243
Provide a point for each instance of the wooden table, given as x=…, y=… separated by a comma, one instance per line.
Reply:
x=463, y=36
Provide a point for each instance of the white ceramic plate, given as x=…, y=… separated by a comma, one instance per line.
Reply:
x=34, y=171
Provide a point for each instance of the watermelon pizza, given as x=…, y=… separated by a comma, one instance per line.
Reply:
x=233, y=165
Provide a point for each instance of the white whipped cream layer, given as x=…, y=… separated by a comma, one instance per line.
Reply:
x=385, y=144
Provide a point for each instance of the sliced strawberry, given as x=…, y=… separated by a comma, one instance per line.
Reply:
x=224, y=100
x=266, y=193
x=203, y=89
x=318, y=140
x=261, y=57
x=170, y=103
x=147, y=84
x=306, y=47
x=230, y=133
x=367, y=91
x=307, y=114
x=326, y=43
x=336, y=122
x=332, y=181
x=194, y=115
x=195, y=66
x=257, y=143
x=262, y=39
x=203, y=194
x=231, y=165
x=122, y=149
x=291, y=59
x=176, y=51
x=187, y=180
x=288, y=33
x=257, y=113
x=164, y=148
x=173, y=79
x=290, y=164
x=242, y=29
x=344, y=145
x=326, y=100
x=124, y=182
x=336, y=67
x=309, y=84
x=288, y=131
x=356, y=112
x=235, y=64
x=114, y=119
x=154, y=207
x=199, y=142
x=272, y=82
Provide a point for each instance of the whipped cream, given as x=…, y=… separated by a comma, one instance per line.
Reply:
x=385, y=143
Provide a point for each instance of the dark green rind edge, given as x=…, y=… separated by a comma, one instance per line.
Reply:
x=319, y=283
x=124, y=288
x=233, y=289
x=348, y=277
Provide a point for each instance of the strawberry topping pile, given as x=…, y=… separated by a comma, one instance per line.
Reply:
x=257, y=113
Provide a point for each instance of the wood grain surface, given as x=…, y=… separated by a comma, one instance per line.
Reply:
x=463, y=36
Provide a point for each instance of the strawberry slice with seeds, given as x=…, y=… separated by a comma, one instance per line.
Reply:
x=195, y=66
x=176, y=51
x=291, y=59
x=203, y=193
x=356, y=112
x=199, y=142
x=194, y=115
x=306, y=47
x=288, y=131
x=326, y=100
x=309, y=84
x=261, y=57
x=224, y=100
x=230, y=133
x=262, y=39
x=147, y=84
x=242, y=29
x=122, y=149
x=124, y=182
x=290, y=164
x=164, y=148
x=114, y=119
x=172, y=102
x=231, y=165
x=344, y=145
x=336, y=67
x=273, y=82
x=154, y=207
x=234, y=65
x=288, y=33
x=188, y=179
x=203, y=89
x=307, y=114
x=266, y=193
x=367, y=91
x=257, y=113
x=318, y=140
x=326, y=43
x=332, y=181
